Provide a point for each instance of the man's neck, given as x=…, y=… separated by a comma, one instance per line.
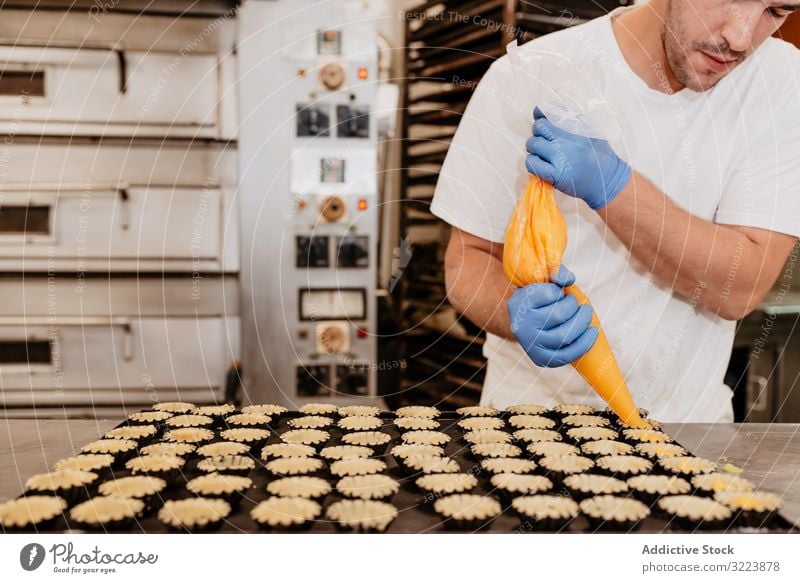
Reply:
x=639, y=35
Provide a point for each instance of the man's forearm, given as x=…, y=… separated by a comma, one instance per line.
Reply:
x=716, y=266
x=477, y=286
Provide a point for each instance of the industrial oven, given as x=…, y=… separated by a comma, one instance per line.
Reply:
x=119, y=246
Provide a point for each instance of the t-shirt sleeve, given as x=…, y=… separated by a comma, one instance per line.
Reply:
x=764, y=189
x=484, y=171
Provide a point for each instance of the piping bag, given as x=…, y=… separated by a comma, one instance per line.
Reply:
x=535, y=241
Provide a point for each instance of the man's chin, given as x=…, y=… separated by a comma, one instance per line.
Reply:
x=701, y=82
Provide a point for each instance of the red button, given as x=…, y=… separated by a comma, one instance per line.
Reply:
x=361, y=333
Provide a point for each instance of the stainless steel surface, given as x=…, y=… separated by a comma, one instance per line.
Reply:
x=769, y=454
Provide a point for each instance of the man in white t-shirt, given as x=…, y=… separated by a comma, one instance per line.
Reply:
x=677, y=228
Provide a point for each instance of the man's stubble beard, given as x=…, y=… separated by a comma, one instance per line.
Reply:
x=673, y=40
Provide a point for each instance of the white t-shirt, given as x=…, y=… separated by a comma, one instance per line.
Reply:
x=729, y=155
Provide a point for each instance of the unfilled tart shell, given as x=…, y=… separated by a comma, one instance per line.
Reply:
x=418, y=411
x=265, y=409
x=531, y=422
x=695, y=508
x=216, y=484
x=310, y=422
x=214, y=410
x=581, y=434
x=362, y=515
x=192, y=513
x=154, y=463
x=525, y=484
x=294, y=466
x=245, y=434
x=299, y=487
x=111, y=446
x=193, y=435
x=132, y=486
x=342, y=452
x=478, y=411
x=90, y=462
x=367, y=438
x=405, y=450
x=226, y=463
x=624, y=464
x=357, y=467
x=372, y=487
x=305, y=436
x=605, y=447
x=614, y=509
x=174, y=407
x=528, y=409
x=30, y=511
x=284, y=450
x=481, y=436
x=248, y=420
x=426, y=438
x=575, y=409
x=452, y=483
x=283, y=512
x=546, y=507
x=658, y=484
x=189, y=421
x=566, y=464
x=103, y=509
x=467, y=507
x=222, y=448
x=536, y=435
x=358, y=411
x=495, y=450
x=149, y=416
x=416, y=424
x=132, y=432
x=546, y=448
x=169, y=448
x=508, y=465
x=59, y=480
x=478, y=423
x=319, y=409
x=595, y=484
x=429, y=464
x=360, y=423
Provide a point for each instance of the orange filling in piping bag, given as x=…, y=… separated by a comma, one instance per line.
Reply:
x=536, y=238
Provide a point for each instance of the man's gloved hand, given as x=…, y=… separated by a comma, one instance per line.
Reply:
x=586, y=168
x=550, y=325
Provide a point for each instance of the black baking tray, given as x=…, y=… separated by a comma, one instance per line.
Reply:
x=415, y=513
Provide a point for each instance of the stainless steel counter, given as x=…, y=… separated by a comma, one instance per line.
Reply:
x=768, y=453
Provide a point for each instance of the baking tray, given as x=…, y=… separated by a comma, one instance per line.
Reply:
x=415, y=513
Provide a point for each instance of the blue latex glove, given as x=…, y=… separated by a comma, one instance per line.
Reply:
x=586, y=168
x=550, y=325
